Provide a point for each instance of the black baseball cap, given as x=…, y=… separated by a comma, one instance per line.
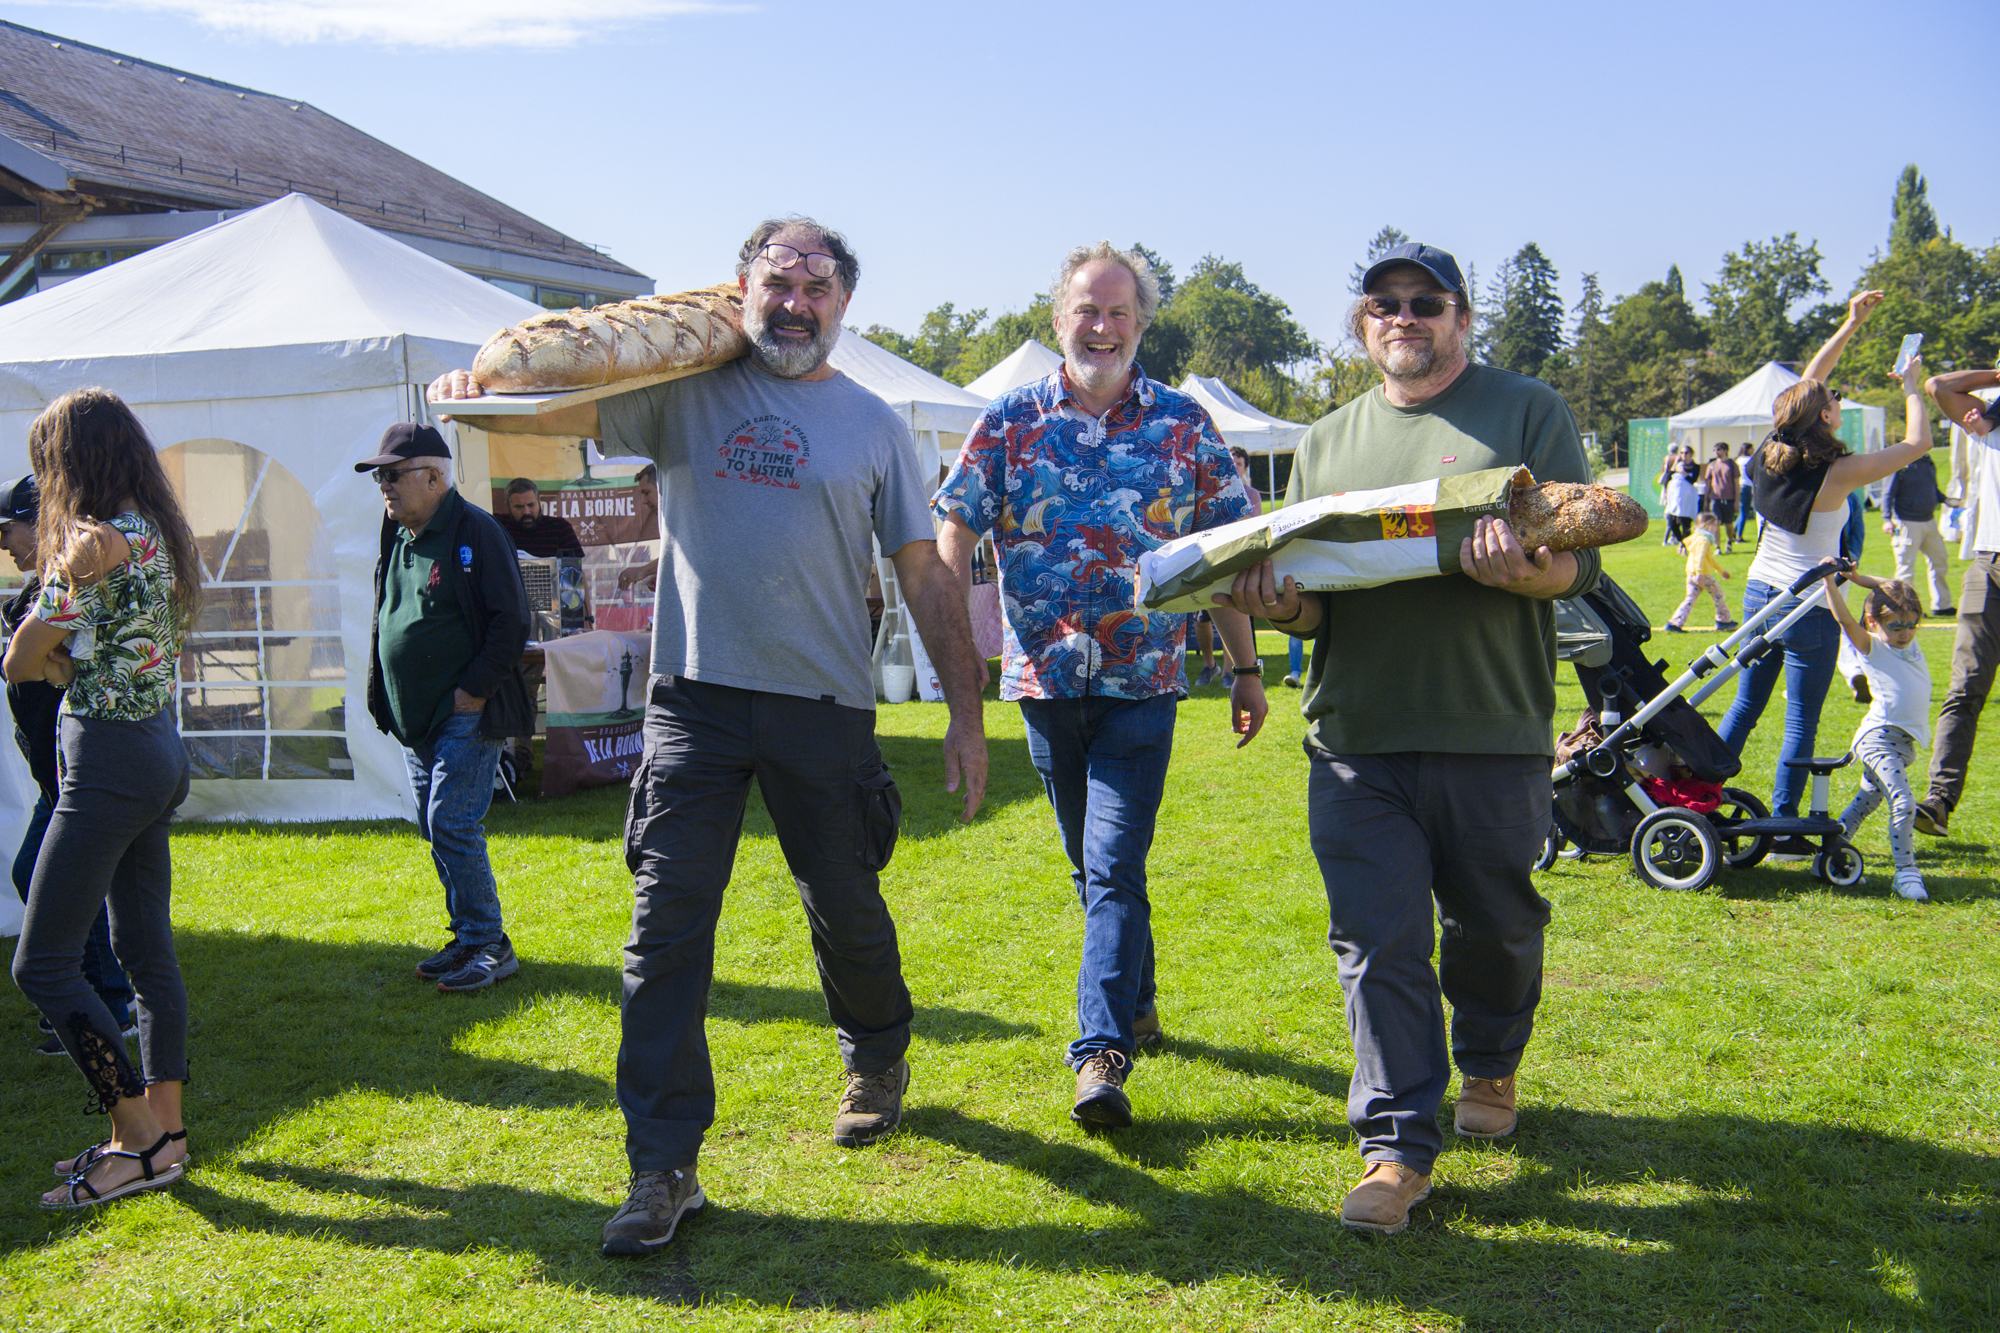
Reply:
x=21, y=500
x=1438, y=263
x=404, y=441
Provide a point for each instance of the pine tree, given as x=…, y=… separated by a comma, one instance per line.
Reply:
x=1674, y=285
x=1528, y=322
x=1385, y=240
x=1583, y=344
x=1912, y=221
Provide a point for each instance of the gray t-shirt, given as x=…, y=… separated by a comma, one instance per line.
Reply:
x=769, y=490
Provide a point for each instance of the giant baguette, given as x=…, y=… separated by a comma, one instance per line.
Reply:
x=1569, y=516
x=581, y=349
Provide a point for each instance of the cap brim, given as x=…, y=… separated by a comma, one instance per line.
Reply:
x=390, y=460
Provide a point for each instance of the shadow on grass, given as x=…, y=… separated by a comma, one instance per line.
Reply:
x=1606, y=1221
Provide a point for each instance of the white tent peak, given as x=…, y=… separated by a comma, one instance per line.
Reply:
x=1240, y=424
x=1024, y=365
x=291, y=273
x=924, y=400
x=1747, y=403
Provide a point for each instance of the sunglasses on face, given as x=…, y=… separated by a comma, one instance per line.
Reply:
x=781, y=256
x=388, y=476
x=1833, y=393
x=1423, y=307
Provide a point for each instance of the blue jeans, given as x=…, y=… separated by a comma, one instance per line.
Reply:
x=1104, y=764
x=1810, y=648
x=451, y=775
x=1297, y=649
x=100, y=965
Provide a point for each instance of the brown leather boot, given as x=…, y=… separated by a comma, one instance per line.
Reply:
x=1147, y=1034
x=1485, y=1108
x=871, y=1106
x=1101, y=1102
x=1381, y=1202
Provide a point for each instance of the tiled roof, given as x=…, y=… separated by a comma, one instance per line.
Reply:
x=134, y=128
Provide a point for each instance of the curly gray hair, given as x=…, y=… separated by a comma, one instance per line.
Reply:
x=1134, y=262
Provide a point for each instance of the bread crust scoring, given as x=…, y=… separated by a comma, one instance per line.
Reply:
x=581, y=349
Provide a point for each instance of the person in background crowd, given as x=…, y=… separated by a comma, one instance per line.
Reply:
x=445, y=679
x=1910, y=518
x=35, y=705
x=645, y=574
x=1744, y=492
x=761, y=672
x=1719, y=485
x=1428, y=789
x=533, y=532
x=1803, y=474
x=1975, y=652
x=1702, y=573
x=1683, y=500
x=120, y=588
x=1111, y=464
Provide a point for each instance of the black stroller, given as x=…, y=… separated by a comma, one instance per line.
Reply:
x=1643, y=772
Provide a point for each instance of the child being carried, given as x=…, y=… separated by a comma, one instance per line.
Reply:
x=1899, y=717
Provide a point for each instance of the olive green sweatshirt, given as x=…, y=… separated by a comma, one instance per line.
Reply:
x=1442, y=664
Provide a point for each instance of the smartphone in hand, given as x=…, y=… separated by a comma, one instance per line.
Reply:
x=1907, y=352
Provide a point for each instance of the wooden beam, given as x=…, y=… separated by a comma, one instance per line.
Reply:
x=26, y=254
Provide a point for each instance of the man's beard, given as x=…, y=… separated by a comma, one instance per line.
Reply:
x=1408, y=362
x=786, y=359
x=1093, y=377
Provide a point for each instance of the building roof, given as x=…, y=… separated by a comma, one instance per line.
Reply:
x=128, y=128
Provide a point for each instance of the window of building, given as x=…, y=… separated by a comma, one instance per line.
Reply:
x=263, y=675
x=524, y=290
x=555, y=298
x=81, y=261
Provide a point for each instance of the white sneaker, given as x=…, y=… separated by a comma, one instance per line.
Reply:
x=1910, y=884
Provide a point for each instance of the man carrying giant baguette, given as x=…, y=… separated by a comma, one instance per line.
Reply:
x=773, y=472
x=1429, y=702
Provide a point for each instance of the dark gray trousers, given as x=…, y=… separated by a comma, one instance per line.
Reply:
x=1975, y=656
x=836, y=811
x=107, y=840
x=1392, y=832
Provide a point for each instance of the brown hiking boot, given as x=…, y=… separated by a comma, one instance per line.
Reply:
x=871, y=1106
x=1101, y=1102
x=1147, y=1034
x=1485, y=1108
x=1933, y=818
x=653, y=1207
x=1381, y=1202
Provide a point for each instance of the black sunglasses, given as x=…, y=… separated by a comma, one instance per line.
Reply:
x=781, y=256
x=1423, y=307
x=387, y=476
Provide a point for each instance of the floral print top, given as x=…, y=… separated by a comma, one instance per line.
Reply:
x=126, y=642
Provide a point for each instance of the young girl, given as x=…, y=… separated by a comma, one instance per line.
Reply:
x=1702, y=571
x=118, y=595
x=1900, y=718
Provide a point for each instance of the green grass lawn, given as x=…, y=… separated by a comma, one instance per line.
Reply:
x=1771, y=1105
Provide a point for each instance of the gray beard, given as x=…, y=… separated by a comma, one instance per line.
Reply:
x=788, y=360
x=1405, y=364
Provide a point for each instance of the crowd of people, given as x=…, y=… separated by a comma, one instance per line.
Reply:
x=1428, y=704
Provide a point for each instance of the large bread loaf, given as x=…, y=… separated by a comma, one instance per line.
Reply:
x=580, y=349
x=1568, y=516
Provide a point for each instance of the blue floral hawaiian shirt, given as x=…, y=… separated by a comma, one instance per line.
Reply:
x=1072, y=502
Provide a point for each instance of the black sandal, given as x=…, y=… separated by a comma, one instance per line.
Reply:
x=86, y=1159
x=151, y=1180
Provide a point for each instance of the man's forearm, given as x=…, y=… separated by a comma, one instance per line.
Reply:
x=1238, y=634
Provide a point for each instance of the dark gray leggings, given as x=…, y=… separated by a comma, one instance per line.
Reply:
x=121, y=783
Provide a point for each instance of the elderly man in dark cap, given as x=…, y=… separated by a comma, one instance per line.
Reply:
x=444, y=678
x=1428, y=706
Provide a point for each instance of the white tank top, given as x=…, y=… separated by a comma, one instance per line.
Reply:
x=1900, y=680
x=1783, y=556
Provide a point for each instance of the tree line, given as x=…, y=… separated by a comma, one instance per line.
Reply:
x=1649, y=353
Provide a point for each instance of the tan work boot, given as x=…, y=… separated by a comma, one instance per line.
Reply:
x=1381, y=1202
x=1485, y=1108
x=1147, y=1034
x=871, y=1106
x=653, y=1208
x=1101, y=1102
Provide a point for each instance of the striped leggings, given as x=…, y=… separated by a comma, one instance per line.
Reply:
x=1885, y=754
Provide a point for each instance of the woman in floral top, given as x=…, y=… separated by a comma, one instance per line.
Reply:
x=121, y=583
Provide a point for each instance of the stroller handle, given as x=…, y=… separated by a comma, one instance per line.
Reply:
x=1837, y=565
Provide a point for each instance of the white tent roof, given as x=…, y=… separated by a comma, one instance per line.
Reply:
x=919, y=397
x=1744, y=404
x=1024, y=365
x=291, y=297
x=1241, y=424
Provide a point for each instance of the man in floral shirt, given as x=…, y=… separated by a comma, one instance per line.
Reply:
x=1076, y=476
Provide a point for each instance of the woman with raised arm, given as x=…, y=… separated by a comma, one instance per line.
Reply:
x=119, y=593
x=1801, y=477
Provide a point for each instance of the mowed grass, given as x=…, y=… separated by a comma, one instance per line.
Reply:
x=1771, y=1105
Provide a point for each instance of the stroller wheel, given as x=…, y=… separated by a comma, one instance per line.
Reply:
x=1676, y=849
x=1740, y=851
x=1840, y=865
x=1552, y=847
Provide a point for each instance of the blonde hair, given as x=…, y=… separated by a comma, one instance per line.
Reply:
x=1708, y=522
x=1134, y=263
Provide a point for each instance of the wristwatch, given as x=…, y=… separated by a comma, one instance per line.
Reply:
x=1257, y=670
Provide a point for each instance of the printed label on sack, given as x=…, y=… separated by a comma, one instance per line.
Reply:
x=1409, y=521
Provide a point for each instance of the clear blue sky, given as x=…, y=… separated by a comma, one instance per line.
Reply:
x=964, y=147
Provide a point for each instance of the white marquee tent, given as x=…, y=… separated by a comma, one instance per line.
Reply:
x=1743, y=413
x=265, y=355
x=1024, y=365
x=940, y=414
x=1244, y=426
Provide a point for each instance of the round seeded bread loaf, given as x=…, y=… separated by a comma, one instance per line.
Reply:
x=580, y=349
x=1568, y=516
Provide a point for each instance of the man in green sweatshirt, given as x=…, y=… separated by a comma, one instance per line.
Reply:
x=1429, y=705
